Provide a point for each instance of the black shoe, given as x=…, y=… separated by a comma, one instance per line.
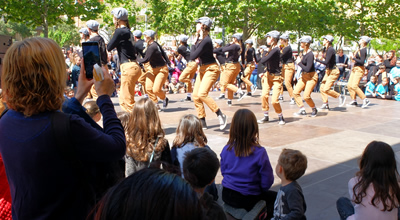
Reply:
x=281, y=98
x=281, y=120
x=365, y=103
x=242, y=95
x=165, y=102
x=229, y=102
x=222, y=96
x=249, y=94
x=352, y=104
x=203, y=123
x=263, y=120
x=188, y=99
x=314, y=112
x=300, y=113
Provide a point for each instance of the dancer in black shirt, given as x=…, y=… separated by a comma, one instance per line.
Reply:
x=221, y=57
x=191, y=66
x=251, y=60
x=288, y=69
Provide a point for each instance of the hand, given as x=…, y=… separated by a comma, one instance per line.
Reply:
x=106, y=86
x=84, y=84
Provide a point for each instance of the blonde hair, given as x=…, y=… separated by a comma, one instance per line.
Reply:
x=91, y=108
x=189, y=130
x=34, y=76
x=143, y=129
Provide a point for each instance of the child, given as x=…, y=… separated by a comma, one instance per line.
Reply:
x=370, y=87
x=174, y=86
x=290, y=202
x=92, y=109
x=200, y=168
x=382, y=90
x=397, y=89
x=189, y=136
x=69, y=93
x=145, y=138
x=245, y=166
x=374, y=191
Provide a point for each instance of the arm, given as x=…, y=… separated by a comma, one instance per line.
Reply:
x=363, y=55
x=266, y=173
x=328, y=57
x=149, y=53
x=114, y=40
x=254, y=56
x=198, y=50
x=295, y=203
x=268, y=56
x=309, y=63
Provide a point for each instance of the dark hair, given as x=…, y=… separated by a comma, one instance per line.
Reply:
x=243, y=135
x=200, y=167
x=293, y=162
x=378, y=167
x=150, y=194
x=393, y=59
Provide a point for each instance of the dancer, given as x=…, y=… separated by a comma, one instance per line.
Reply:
x=272, y=77
x=157, y=72
x=288, y=69
x=130, y=69
x=331, y=74
x=208, y=73
x=232, y=69
x=251, y=60
x=140, y=46
x=221, y=57
x=191, y=66
x=357, y=73
x=308, y=79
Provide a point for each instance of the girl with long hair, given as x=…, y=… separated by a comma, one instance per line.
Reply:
x=245, y=166
x=308, y=80
x=357, y=73
x=208, y=73
x=374, y=191
x=130, y=69
x=145, y=138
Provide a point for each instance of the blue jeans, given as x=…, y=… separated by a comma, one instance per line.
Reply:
x=253, y=79
x=345, y=208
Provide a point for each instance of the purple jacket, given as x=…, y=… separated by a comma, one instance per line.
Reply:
x=248, y=175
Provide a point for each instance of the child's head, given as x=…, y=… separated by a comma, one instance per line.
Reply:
x=200, y=167
x=69, y=92
x=385, y=81
x=92, y=109
x=243, y=134
x=173, y=80
x=143, y=129
x=378, y=166
x=190, y=130
x=373, y=79
x=292, y=164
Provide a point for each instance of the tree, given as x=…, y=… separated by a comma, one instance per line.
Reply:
x=65, y=35
x=48, y=13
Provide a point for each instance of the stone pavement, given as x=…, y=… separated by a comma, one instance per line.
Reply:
x=332, y=142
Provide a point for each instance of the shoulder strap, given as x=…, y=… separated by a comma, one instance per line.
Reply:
x=4, y=112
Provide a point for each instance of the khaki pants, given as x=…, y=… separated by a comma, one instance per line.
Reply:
x=206, y=78
x=307, y=83
x=154, y=82
x=130, y=73
x=268, y=81
x=329, y=79
x=288, y=71
x=352, y=85
x=142, y=78
x=247, y=74
x=188, y=74
x=228, y=78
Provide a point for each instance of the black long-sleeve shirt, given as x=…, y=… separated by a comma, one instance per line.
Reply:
x=139, y=46
x=250, y=55
x=120, y=40
x=360, y=57
x=330, y=58
x=307, y=62
x=271, y=60
x=184, y=50
x=153, y=55
x=102, y=48
x=221, y=57
x=233, y=52
x=243, y=53
x=287, y=55
x=203, y=50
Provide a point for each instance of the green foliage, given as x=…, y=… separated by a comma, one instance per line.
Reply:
x=130, y=6
x=384, y=45
x=64, y=35
x=16, y=30
x=47, y=13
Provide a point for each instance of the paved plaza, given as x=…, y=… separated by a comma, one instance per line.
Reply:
x=332, y=142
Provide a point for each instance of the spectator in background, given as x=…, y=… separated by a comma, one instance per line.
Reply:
x=93, y=110
x=381, y=73
x=394, y=72
x=76, y=69
x=342, y=62
x=390, y=62
x=374, y=68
